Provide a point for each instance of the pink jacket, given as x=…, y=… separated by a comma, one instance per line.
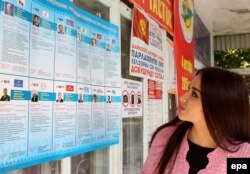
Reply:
x=217, y=158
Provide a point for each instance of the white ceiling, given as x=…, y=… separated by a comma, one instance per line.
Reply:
x=225, y=17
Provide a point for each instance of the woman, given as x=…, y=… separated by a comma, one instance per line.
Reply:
x=36, y=20
x=213, y=124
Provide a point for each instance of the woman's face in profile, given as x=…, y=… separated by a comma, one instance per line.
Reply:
x=190, y=103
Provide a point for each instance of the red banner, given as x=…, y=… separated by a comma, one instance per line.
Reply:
x=160, y=10
x=184, y=43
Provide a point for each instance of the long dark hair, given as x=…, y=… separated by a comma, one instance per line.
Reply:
x=225, y=102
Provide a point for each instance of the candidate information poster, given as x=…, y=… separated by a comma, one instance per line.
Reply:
x=14, y=118
x=98, y=114
x=14, y=34
x=65, y=55
x=146, y=55
x=60, y=82
x=83, y=54
x=112, y=63
x=40, y=116
x=84, y=118
x=64, y=121
x=113, y=112
x=42, y=38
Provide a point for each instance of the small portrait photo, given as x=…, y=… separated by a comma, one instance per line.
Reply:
x=9, y=9
x=95, y=98
x=108, y=99
x=139, y=99
x=36, y=19
x=80, y=99
x=59, y=98
x=21, y=3
x=125, y=98
x=108, y=47
x=45, y=14
x=78, y=36
x=132, y=99
x=60, y=29
x=5, y=96
x=93, y=42
x=34, y=97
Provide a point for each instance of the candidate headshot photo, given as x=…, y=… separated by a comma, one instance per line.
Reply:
x=132, y=99
x=108, y=99
x=60, y=29
x=5, y=96
x=21, y=3
x=59, y=98
x=125, y=99
x=80, y=100
x=138, y=99
x=108, y=47
x=9, y=9
x=79, y=36
x=36, y=20
x=34, y=97
x=95, y=98
x=93, y=42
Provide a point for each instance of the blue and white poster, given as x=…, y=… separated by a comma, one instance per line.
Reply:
x=113, y=110
x=83, y=54
x=112, y=62
x=65, y=55
x=98, y=114
x=14, y=118
x=60, y=89
x=84, y=117
x=42, y=38
x=14, y=33
x=64, y=120
x=40, y=117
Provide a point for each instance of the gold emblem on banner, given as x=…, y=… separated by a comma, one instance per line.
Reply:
x=142, y=27
x=186, y=13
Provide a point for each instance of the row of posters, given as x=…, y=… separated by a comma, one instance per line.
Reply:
x=60, y=80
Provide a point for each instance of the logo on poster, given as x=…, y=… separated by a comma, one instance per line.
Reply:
x=21, y=3
x=86, y=89
x=18, y=83
x=60, y=86
x=5, y=81
x=34, y=84
x=45, y=14
x=70, y=23
x=43, y=86
x=69, y=88
x=186, y=14
x=99, y=36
